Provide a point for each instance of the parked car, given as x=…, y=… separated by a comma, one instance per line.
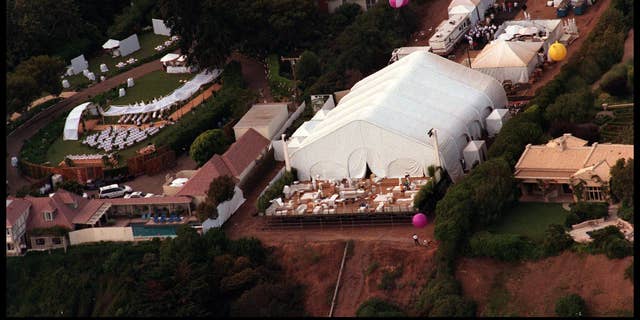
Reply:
x=138, y=194
x=114, y=191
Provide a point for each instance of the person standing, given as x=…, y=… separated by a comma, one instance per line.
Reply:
x=415, y=239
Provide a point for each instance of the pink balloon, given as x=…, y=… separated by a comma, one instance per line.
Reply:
x=398, y=3
x=419, y=220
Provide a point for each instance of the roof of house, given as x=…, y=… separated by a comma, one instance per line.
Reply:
x=198, y=185
x=87, y=211
x=15, y=207
x=261, y=115
x=568, y=156
x=244, y=151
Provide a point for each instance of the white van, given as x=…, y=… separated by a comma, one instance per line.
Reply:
x=114, y=191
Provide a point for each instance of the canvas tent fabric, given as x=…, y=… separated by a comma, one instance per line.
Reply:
x=79, y=64
x=476, y=150
x=464, y=7
x=508, y=60
x=129, y=45
x=159, y=27
x=225, y=210
x=551, y=27
x=383, y=122
x=169, y=57
x=110, y=44
x=180, y=94
x=496, y=120
x=73, y=122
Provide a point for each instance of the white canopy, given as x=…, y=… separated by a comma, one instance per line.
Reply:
x=169, y=57
x=180, y=94
x=508, y=60
x=383, y=122
x=476, y=150
x=73, y=121
x=551, y=28
x=496, y=120
x=111, y=44
x=464, y=7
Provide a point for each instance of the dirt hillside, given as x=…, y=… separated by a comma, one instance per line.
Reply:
x=532, y=288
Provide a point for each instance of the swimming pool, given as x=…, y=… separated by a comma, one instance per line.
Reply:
x=141, y=230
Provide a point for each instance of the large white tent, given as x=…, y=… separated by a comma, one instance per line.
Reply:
x=383, y=122
x=551, y=30
x=508, y=60
x=475, y=8
x=73, y=122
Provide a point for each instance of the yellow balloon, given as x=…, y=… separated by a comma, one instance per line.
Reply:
x=557, y=51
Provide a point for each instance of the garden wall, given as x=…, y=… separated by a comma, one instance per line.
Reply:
x=79, y=174
x=101, y=234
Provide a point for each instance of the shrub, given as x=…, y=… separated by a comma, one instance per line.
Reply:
x=556, y=240
x=505, y=247
x=617, y=248
x=442, y=285
x=571, y=305
x=453, y=306
x=626, y=213
x=376, y=307
x=571, y=219
x=388, y=281
x=207, y=210
x=590, y=210
x=425, y=200
x=574, y=107
x=207, y=144
x=614, y=81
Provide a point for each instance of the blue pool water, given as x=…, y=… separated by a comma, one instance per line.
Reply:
x=141, y=230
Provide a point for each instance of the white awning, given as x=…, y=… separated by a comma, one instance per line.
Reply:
x=169, y=57
x=110, y=44
x=73, y=121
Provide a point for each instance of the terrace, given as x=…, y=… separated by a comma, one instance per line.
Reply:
x=347, y=197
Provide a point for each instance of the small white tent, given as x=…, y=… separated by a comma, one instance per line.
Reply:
x=464, y=7
x=73, y=121
x=476, y=150
x=496, y=120
x=111, y=44
x=508, y=60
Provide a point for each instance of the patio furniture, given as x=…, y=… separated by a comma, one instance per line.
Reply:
x=156, y=219
x=163, y=219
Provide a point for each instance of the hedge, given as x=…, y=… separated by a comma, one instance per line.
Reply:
x=28, y=114
x=590, y=210
x=556, y=240
x=280, y=87
x=611, y=242
x=504, y=247
x=614, y=81
x=275, y=190
x=35, y=148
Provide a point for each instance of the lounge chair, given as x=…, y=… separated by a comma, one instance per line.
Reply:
x=163, y=219
x=156, y=219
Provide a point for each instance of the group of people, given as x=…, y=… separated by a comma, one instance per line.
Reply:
x=479, y=35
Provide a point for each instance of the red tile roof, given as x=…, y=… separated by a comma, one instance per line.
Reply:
x=198, y=185
x=87, y=211
x=15, y=207
x=244, y=151
x=64, y=214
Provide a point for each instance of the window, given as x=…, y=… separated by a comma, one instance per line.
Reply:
x=56, y=240
x=40, y=241
x=370, y=4
x=10, y=246
x=594, y=194
x=48, y=216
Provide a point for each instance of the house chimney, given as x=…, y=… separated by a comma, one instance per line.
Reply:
x=285, y=150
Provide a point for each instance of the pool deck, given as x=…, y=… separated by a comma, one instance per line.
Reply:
x=580, y=234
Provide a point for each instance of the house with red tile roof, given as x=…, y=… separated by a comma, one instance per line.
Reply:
x=17, y=211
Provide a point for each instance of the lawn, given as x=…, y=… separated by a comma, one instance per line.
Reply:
x=153, y=85
x=148, y=41
x=60, y=148
x=530, y=219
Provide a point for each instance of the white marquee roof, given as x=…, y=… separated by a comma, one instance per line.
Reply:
x=110, y=44
x=404, y=100
x=502, y=54
x=73, y=121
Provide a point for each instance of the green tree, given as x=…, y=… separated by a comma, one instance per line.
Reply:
x=556, y=240
x=425, y=200
x=207, y=210
x=614, y=81
x=575, y=107
x=453, y=306
x=621, y=183
x=207, y=144
x=308, y=68
x=132, y=19
x=571, y=305
x=221, y=189
x=45, y=70
x=21, y=90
